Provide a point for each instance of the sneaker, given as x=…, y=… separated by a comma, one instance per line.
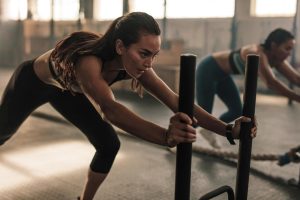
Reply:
x=210, y=137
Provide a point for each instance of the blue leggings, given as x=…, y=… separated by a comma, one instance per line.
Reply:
x=211, y=80
x=25, y=92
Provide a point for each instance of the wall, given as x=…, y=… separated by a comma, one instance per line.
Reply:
x=27, y=39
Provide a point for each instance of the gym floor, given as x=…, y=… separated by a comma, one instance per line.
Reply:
x=48, y=160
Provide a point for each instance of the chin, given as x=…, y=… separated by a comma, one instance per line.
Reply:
x=132, y=75
x=138, y=76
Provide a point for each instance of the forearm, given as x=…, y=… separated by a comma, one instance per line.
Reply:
x=123, y=118
x=204, y=119
x=284, y=90
x=207, y=121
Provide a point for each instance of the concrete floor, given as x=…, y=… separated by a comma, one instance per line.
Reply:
x=48, y=161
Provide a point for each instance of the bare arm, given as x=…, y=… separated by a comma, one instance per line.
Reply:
x=161, y=91
x=89, y=75
x=289, y=72
x=267, y=75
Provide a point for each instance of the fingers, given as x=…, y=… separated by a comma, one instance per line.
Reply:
x=181, y=129
x=244, y=119
x=177, y=136
x=247, y=120
x=255, y=121
x=184, y=131
x=181, y=117
x=253, y=132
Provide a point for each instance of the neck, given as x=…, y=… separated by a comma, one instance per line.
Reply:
x=113, y=65
x=268, y=53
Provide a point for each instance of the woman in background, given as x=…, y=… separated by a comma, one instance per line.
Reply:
x=213, y=75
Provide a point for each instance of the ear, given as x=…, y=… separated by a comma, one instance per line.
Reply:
x=273, y=45
x=119, y=47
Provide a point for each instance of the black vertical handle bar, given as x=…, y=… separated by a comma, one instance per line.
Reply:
x=185, y=105
x=245, y=145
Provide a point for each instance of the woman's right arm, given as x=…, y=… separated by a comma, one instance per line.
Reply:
x=268, y=76
x=88, y=73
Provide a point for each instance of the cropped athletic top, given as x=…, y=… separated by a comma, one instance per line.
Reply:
x=236, y=62
x=56, y=76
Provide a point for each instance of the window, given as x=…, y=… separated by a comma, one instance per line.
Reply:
x=14, y=9
x=111, y=9
x=274, y=8
x=63, y=10
x=200, y=8
x=107, y=9
x=153, y=7
x=186, y=8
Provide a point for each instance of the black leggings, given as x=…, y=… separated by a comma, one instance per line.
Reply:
x=25, y=92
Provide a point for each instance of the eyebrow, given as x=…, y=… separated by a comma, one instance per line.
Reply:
x=150, y=52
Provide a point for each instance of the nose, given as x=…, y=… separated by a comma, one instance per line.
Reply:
x=288, y=53
x=148, y=63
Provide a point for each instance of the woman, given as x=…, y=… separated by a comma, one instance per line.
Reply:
x=213, y=74
x=75, y=78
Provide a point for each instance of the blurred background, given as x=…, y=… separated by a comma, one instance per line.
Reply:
x=47, y=160
x=30, y=27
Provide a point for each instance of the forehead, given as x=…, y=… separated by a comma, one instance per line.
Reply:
x=289, y=43
x=149, y=41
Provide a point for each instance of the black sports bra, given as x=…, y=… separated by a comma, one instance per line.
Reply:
x=236, y=62
x=120, y=76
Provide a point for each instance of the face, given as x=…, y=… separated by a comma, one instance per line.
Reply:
x=283, y=51
x=139, y=57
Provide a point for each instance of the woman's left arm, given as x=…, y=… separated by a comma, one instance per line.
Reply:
x=159, y=89
x=289, y=72
x=156, y=87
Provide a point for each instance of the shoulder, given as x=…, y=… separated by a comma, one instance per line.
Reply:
x=251, y=49
x=88, y=65
x=89, y=60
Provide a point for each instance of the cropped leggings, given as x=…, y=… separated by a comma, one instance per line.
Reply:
x=25, y=92
x=211, y=80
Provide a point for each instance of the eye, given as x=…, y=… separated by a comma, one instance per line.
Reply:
x=144, y=54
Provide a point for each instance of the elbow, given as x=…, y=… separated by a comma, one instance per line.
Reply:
x=270, y=86
x=109, y=114
x=297, y=81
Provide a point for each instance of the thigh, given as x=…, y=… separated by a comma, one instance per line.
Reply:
x=229, y=94
x=23, y=93
x=79, y=111
x=207, y=77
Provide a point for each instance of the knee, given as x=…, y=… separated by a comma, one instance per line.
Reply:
x=2, y=142
x=112, y=147
x=109, y=146
x=105, y=156
x=110, y=143
x=4, y=137
x=5, y=133
x=238, y=112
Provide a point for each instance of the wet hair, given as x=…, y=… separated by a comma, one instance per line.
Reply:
x=128, y=28
x=278, y=36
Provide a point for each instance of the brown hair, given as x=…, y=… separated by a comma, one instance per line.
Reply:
x=66, y=53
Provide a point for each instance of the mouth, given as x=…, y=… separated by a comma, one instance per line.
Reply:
x=142, y=70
